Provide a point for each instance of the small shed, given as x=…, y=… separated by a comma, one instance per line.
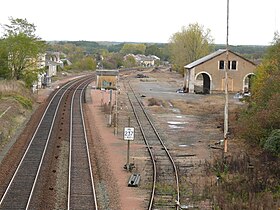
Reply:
x=107, y=79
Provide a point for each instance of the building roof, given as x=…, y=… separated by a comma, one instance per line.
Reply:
x=211, y=56
x=53, y=63
x=204, y=59
x=107, y=72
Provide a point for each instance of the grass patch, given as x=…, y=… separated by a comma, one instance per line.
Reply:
x=165, y=188
x=157, y=105
x=154, y=102
x=8, y=87
x=24, y=101
x=16, y=90
x=196, y=108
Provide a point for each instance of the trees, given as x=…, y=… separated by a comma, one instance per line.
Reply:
x=133, y=48
x=112, y=61
x=129, y=61
x=153, y=50
x=22, y=48
x=4, y=71
x=260, y=122
x=188, y=45
x=86, y=63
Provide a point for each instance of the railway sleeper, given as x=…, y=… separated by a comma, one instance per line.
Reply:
x=134, y=180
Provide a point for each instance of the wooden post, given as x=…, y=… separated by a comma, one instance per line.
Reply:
x=116, y=111
x=128, y=148
x=110, y=108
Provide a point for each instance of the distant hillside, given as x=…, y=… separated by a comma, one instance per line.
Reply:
x=252, y=52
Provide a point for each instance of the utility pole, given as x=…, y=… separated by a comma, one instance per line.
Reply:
x=226, y=86
x=101, y=87
x=116, y=108
x=110, y=106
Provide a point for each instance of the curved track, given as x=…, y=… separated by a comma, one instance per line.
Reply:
x=22, y=186
x=165, y=186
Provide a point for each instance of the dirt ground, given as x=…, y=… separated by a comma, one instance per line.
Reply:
x=188, y=123
x=113, y=156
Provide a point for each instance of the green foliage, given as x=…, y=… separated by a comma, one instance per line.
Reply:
x=22, y=49
x=86, y=63
x=153, y=50
x=73, y=52
x=129, y=61
x=87, y=46
x=262, y=117
x=4, y=70
x=245, y=182
x=16, y=90
x=113, y=61
x=188, y=45
x=29, y=77
x=133, y=48
x=24, y=101
x=252, y=52
x=115, y=47
x=272, y=143
x=19, y=26
x=76, y=50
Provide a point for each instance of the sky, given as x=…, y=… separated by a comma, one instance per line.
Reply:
x=251, y=22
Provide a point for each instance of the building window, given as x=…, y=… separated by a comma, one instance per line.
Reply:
x=233, y=65
x=221, y=64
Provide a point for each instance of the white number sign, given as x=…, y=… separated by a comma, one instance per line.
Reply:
x=128, y=133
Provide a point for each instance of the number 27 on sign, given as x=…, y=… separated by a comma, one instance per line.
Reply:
x=129, y=133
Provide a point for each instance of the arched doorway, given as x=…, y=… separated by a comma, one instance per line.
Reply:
x=247, y=82
x=203, y=83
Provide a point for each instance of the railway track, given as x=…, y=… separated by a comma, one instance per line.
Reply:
x=81, y=191
x=165, y=182
x=22, y=192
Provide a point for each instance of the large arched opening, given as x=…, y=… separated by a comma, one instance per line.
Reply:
x=247, y=82
x=203, y=83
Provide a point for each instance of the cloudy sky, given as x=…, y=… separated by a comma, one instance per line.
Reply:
x=250, y=21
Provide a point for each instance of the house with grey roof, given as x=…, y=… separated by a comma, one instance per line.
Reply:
x=143, y=60
x=207, y=74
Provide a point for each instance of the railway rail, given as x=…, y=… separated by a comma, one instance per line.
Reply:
x=81, y=192
x=21, y=191
x=165, y=183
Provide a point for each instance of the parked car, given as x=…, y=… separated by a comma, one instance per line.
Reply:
x=180, y=90
x=238, y=96
x=242, y=95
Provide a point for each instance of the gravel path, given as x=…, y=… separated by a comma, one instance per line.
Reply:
x=109, y=154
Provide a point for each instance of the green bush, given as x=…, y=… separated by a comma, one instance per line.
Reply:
x=257, y=124
x=272, y=143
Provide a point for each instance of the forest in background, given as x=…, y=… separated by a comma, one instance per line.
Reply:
x=252, y=52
